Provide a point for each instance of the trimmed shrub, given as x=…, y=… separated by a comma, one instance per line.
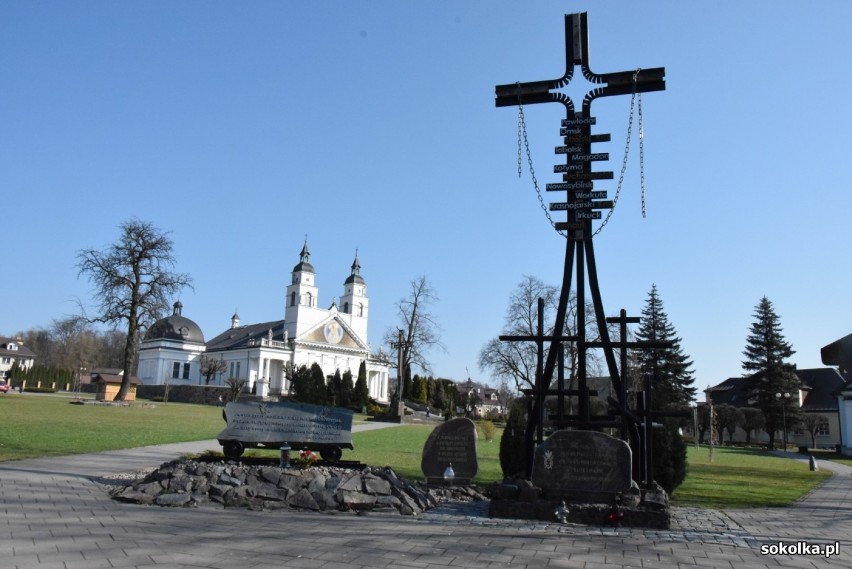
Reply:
x=669, y=456
x=513, y=442
x=487, y=430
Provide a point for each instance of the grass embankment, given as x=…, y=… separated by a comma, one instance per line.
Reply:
x=743, y=478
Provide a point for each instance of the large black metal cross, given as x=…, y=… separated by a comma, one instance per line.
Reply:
x=578, y=183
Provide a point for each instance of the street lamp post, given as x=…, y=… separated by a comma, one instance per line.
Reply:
x=783, y=398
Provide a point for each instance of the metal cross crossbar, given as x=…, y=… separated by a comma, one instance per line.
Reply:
x=578, y=179
x=577, y=53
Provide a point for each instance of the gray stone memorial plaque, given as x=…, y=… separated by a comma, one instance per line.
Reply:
x=453, y=442
x=256, y=423
x=582, y=465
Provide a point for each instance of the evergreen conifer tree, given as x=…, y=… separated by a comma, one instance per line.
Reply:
x=766, y=353
x=439, y=398
x=317, y=386
x=671, y=377
x=344, y=399
x=300, y=383
x=362, y=390
x=669, y=369
x=419, y=390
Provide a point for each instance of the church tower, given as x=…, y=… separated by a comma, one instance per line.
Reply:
x=354, y=303
x=301, y=311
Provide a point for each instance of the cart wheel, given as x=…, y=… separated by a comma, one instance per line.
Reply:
x=233, y=449
x=331, y=454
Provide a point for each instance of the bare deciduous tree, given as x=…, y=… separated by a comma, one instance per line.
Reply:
x=517, y=360
x=133, y=282
x=75, y=343
x=211, y=366
x=813, y=424
x=420, y=330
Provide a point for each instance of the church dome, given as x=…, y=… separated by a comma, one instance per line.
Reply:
x=175, y=327
x=357, y=279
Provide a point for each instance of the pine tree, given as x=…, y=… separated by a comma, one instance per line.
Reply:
x=670, y=375
x=669, y=369
x=771, y=376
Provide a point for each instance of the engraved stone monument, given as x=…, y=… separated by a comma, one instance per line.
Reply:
x=582, y=466
x=302, y=426
x=452, y=445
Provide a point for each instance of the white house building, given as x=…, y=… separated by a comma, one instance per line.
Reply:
x=334, y=337
x=12, y=350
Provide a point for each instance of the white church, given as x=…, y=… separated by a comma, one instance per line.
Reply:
x=334, y=337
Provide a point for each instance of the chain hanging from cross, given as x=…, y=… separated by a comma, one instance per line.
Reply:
x=635, y=105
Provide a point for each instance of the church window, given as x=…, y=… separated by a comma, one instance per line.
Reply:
x=176, y=370
x=346, y=307
x=186, y=371
x=308, y=299
x=292, y=299
x=360, y=310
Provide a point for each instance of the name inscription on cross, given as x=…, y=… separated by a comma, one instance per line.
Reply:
x=576, y=128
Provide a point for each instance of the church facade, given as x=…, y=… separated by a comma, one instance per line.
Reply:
x=335, y=338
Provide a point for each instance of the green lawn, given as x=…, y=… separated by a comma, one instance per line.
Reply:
x=743, y=478
x=402, y=447
x=48, y=425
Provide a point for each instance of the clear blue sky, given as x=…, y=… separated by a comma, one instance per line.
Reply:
x=242, y=126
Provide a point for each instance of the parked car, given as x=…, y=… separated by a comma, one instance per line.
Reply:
x=4, y=387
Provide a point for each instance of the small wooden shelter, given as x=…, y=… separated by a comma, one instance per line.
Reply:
x=109, y=384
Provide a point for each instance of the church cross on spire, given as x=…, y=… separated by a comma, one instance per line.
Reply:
x=305, y=255
x=356, y=266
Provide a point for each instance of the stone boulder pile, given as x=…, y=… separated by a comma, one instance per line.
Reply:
x=188, y=483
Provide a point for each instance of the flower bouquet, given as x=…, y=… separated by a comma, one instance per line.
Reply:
x=306, y=459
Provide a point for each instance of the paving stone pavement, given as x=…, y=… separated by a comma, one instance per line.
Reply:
x=55, y=516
